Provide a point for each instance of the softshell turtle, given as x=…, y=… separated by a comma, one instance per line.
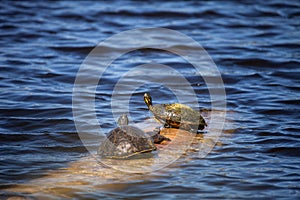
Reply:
x=126, y=141
x=176, y=115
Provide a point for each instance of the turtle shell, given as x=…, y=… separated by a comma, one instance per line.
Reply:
x=178, y=116
x=126, y=141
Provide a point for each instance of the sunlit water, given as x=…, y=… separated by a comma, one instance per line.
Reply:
x=255, y=46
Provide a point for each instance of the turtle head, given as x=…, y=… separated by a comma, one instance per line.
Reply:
x=148, y=99
x=123, y=120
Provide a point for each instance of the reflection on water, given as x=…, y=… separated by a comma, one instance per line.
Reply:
x=255, y=46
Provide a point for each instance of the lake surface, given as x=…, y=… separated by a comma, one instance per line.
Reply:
x=255, y=46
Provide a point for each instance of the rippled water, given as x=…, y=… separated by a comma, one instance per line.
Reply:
x=255, y=46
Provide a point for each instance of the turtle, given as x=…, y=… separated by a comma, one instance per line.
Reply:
x=126, y=141
x=176, y=115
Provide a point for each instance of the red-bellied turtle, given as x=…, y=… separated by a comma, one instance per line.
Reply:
x=176, y=115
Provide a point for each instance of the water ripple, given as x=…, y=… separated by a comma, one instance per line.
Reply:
x=254, y=44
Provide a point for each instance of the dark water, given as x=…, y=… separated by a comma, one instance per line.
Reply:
x=254, y=44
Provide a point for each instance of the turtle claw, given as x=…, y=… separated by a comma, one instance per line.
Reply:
x=167, y=125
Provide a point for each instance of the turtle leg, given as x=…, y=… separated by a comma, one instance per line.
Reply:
x=186, y=127
x=201, y=127
x=157, y=137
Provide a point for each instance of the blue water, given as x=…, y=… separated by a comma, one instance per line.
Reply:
x=255, y=46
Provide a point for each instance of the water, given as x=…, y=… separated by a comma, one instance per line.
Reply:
x=255, y=46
